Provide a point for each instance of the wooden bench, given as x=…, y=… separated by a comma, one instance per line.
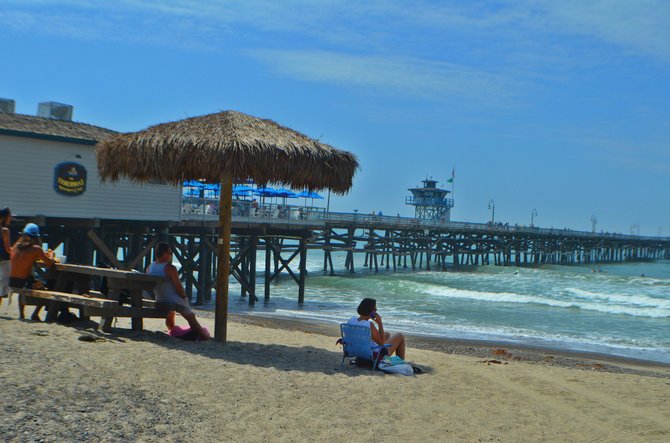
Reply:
x=88, y=306
x=55, y=301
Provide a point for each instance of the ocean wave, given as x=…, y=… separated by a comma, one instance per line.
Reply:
x=647, y=281
x=509, y=297
x=621, y=299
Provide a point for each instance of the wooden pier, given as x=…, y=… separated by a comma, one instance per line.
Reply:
x=369, y=242
x=133, y=218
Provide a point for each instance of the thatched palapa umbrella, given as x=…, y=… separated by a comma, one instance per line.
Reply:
x=224, y=147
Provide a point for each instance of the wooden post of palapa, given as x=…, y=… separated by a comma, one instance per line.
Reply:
x=223, y=262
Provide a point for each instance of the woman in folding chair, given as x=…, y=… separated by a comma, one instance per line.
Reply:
x=367, y=311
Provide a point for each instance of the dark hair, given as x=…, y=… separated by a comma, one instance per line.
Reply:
x=26, y=241
x=367, y=306
x=4, y=216
x=161, y=248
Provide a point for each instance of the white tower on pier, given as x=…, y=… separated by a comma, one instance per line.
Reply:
x=430, y=202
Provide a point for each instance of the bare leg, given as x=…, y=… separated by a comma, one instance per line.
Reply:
x=22, y=307
x=195, y=326
x=36, y=314
x=169, y=320
x=397, y=342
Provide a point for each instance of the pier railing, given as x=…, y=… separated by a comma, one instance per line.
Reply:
x=206, y=210
x=446, y=202
x=369, y=220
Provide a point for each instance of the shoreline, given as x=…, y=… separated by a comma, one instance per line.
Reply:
x=554, y=356
x=582, y=321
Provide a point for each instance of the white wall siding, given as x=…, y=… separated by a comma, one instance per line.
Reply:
x=27, y=185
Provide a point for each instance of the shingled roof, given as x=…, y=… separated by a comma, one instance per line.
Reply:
x=31, y=126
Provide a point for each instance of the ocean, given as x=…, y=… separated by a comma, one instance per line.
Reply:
x=617, y=309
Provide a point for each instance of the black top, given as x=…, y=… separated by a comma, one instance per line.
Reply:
x=3, y=254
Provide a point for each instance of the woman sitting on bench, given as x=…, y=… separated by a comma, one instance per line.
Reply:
x=25, y=252
x=170, y=294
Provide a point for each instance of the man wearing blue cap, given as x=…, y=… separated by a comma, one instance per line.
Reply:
x=25, y=252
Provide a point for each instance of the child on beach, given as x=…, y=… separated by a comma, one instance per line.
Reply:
x=5, y=251
x=25, y=252
x=367, y=311
x=170, y=294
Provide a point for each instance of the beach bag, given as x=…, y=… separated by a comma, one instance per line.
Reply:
x=395, y=365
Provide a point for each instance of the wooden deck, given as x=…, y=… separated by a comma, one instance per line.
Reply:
x=383, y=243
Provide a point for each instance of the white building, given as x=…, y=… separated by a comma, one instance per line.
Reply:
x=49, y=170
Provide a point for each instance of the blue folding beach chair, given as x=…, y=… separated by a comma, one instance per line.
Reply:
x=356, y=344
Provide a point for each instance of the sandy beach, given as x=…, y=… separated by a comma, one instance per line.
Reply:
x=275, y=381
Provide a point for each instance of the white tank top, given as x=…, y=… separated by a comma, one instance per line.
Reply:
x=165, y=290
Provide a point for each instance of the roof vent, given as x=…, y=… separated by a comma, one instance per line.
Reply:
x=56, y=111
x=7, y=106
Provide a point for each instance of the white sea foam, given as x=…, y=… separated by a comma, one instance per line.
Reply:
x=621, y=299
x=648, y=282
x=657, y=311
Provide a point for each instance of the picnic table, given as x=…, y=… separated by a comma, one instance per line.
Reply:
x=73, y=289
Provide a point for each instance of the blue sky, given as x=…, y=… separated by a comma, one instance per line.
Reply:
x=558, y=106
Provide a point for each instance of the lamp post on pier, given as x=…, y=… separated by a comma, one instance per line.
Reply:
x=492, y=207
x=533, y=214
x=634, y=227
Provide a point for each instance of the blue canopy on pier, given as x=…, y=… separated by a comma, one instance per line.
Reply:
x=194, y=184
x=285, y=193
x=242, y=188
x=309, y=194
x=265, y=192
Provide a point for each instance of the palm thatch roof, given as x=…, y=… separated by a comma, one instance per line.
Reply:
x=226, y=144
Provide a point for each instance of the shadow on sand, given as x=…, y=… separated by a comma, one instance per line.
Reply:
x=278, y=356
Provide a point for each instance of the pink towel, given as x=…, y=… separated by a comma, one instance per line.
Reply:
x=187, y=333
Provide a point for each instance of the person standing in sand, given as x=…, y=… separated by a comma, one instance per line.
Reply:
x=170, y=294
x=367, y=311
x=5, y=251
x=25, y=252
